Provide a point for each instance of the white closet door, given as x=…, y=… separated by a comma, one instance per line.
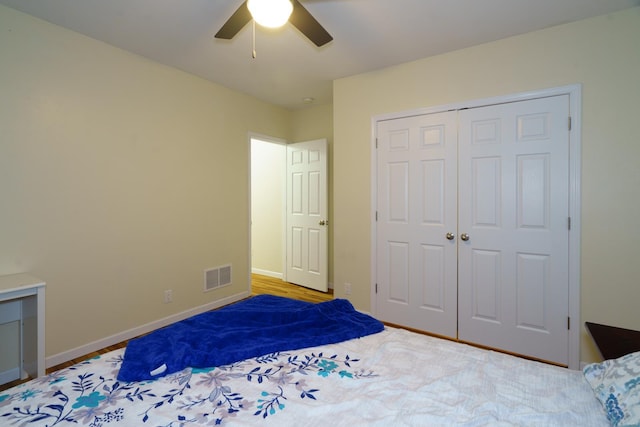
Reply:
x=513, y=205
x=416, y=196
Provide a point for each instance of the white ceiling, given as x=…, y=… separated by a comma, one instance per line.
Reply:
x=368, y=35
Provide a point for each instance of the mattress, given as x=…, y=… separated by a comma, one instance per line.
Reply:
x=391, y=378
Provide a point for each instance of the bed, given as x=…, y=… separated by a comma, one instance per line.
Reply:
x=392, y=377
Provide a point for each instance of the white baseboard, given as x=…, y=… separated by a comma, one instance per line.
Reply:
x=267, y=273
x=74, y=353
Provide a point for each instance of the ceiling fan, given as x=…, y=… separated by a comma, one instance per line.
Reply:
x=300, y=18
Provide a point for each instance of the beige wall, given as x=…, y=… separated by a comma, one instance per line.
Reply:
x=119, y=178
x=313, y=122
x=603, y=55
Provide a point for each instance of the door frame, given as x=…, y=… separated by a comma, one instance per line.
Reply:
x=284, y=202
x=575, y=137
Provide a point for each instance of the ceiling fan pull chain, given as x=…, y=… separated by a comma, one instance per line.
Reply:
x=253, y=37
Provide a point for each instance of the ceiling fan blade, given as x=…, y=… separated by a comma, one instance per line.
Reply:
x=234, y=24
x=307, y=24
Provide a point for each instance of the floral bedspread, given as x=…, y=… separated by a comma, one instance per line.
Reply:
x=392, y=378
x=89, y=394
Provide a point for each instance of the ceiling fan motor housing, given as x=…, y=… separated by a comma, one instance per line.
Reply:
x=270, y=13
x=299, y=17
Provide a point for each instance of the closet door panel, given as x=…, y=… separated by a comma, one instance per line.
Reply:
x=513, y=193
x=432, y=278
x=398, y=273
x=486, y=194
x=416, y=190
x=398, y=192
x=486, y=287
x=533, y=275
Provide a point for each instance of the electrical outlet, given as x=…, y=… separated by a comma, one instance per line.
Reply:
x=168, y=296
x=347, y=288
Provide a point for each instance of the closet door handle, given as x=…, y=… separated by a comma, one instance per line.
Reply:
x=464, y=237
x=451, y=236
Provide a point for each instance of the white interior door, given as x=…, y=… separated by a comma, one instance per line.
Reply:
x=416, y=188
x=307, y=220
x=513, y=281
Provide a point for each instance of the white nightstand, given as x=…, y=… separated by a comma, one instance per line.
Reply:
x=23, y=295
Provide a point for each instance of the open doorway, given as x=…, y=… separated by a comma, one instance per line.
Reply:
x=268, y=198
x=289, y=223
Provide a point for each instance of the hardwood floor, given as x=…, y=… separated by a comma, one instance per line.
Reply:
x=269, y=285
x=259, y=285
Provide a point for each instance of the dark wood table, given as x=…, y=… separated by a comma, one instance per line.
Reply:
x=614, y=342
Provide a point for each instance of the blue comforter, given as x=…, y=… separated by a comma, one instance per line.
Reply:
x=260, y=325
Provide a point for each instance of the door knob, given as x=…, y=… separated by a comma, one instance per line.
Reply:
x=323, y=222
x=450, y=236
x=464, y=237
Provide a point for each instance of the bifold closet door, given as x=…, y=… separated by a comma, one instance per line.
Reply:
x=513, y=211
x=416, y=196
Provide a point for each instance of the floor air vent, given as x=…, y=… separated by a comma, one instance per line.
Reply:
x=218, y=277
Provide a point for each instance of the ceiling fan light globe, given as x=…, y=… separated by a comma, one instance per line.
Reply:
x=270, y=13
